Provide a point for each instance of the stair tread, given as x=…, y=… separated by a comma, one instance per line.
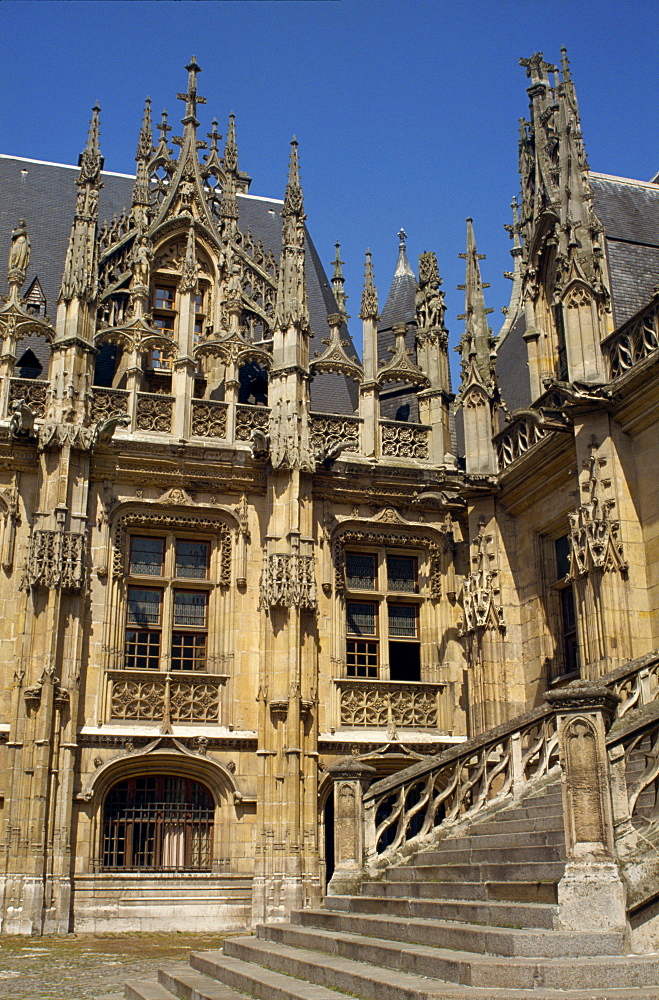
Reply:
x=298, y=989
x=508, y=935
x=202, y=986
x=146, y=989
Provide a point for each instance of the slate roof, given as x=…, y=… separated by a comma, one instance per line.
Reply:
x=629, y=212
x=44, y=194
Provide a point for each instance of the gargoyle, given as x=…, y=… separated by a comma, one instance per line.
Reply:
x=21, y=423
x=328, y=454
x=106, y=428
x=260, y=444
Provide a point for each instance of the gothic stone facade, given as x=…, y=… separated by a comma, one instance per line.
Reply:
x=226, y=559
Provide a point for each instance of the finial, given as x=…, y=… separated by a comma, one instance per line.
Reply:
x=214, y=136
x=369, y=308
x=338, y=282
x=565, y=65
x=163, y=127
x=403, y=266
x=191, y=98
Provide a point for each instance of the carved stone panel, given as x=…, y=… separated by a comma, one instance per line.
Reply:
x=403, y=440
x=154, y=413
x=209, y=419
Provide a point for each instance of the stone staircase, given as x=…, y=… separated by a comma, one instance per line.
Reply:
x=474, y=916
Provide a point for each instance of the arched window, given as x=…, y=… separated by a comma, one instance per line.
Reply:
x=158, y=822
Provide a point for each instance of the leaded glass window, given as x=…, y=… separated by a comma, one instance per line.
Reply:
x=360, y=571
x=401, y=574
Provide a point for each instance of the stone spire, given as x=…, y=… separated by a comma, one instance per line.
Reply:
x=338, y=283
x=80, y=279
x=141, y=189
x=477, y=341
x=293, y=210
x=291, y=308
x=478, y=393
x=229, y=204
x=369, y=309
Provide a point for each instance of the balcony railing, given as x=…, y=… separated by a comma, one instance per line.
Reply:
x=378, y=704
x=30, y=390
x=148, y=696
x=154, y=412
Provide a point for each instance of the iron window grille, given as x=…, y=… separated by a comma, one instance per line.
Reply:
x=158, y=823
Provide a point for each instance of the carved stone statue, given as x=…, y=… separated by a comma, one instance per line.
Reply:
x=142, y=256
x=19, y=254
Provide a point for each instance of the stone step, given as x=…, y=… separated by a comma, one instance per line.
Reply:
x=406, y=963
x=515, y=824
x=498, y=914
x=186, y=983
x=514, y=891
x=529, y=871
x=480, y=839
x=146, y=989
x=477, y=938
x=332, y=972
x=263, y=981
x=489, y=855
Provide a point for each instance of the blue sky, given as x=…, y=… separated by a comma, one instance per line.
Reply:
x=406, y=112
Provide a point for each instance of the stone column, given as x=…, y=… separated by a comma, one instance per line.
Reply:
x=591, y=893
x=351, y=779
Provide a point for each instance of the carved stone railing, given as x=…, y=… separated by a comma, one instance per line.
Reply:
x=637, y=683
x=249, y=418
x=459, y=783
x=149, y=696
x=329, y=431
x=403, y=811
x=109, y=403
x=33, y=391
x=516, y=439
x=154, y=412
x=634, y=341
x=209, y=419
x=399, y=439
x=376, y=704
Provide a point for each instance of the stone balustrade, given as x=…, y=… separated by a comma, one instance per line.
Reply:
x=379, y=704
x=634, y=341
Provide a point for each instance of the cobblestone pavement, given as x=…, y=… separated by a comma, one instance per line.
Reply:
x=89, y=966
